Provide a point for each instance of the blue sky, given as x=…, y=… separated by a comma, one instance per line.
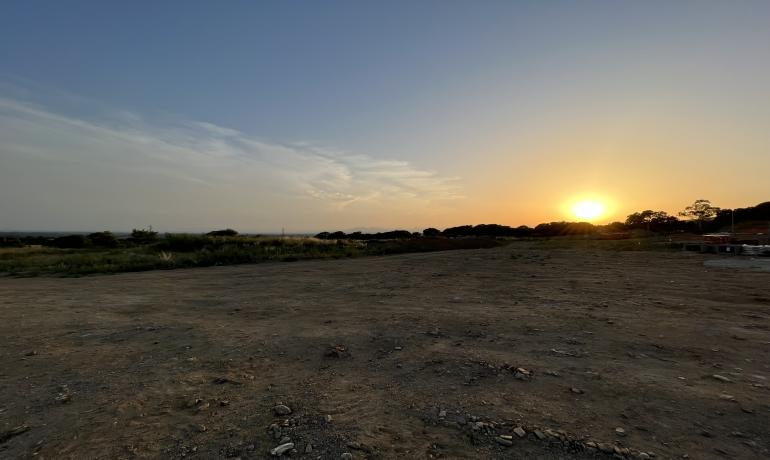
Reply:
x=323, y=115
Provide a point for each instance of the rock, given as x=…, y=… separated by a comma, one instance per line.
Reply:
x=15, y=431
x=620, y=431
x=522, y=374
x=644, y=455
x=275, y=430
x=552, y=373
x=337, y=351
x=398, y=348
x=721, y=378
x=577, y=391
x=308, y=448
x=504, y=442
x=606, y=448
x=283, y=448
x=346, y=456
x=461, y=420
x=519, y=431
x=282, y=409
x=284, y=440
x=539, y=434
x=328, y=418
x=441, y=414
x=727, y=397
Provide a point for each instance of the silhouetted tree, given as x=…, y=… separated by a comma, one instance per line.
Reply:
x=431, y=232
x=700, y=211
x=225, y=232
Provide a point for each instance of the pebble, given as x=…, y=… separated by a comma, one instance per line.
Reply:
x=308, y=448
x=539, y=434
x=283, y=448
x=328, y=418
x=442, y=414
x=281, y=409
x=644, y=455
x=346, y=456
x=577, y=391
x=727, y=397
x=620, y=431
x=519, y=431
x=721, y=378
x=284, y=440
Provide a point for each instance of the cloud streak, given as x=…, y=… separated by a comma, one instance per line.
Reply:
x=65, y=171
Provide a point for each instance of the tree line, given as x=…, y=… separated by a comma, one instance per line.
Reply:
x=700, y=217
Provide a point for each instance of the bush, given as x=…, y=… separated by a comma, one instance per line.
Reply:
x=144, y=236
x=69, y=242
x=185, y=243
x=225, y=232
x=103, y=239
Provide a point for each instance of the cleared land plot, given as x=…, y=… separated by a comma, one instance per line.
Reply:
x=192, y=362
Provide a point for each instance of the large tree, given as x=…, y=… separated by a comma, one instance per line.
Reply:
x=643, y=219
x=700, y=211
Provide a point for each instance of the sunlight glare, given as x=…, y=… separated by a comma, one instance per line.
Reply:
x=588, y=209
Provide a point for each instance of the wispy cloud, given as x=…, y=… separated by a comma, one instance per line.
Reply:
x=66, y=157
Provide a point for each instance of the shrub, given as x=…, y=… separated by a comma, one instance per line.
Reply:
x=144, y=236
x=103, y=239
x=225, y=232
x=69, y=242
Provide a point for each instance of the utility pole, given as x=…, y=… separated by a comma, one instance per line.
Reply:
x=732, y=221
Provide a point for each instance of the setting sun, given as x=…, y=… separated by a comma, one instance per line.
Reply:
x=588, y=209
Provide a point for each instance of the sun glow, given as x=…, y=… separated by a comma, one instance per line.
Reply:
x=589, y=209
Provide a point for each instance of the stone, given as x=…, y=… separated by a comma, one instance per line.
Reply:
x=328, y=418
x=577, y=391
x=721, y=378
x=282, y=409
x=284, y=440
x=644, y=455
x=441, y=413
x=503, y=441
x=282, y=449
x=539, y=434
x=346, y=456
x=606, y=448
x=519, y=431
x=620, y=431
x=308, y=448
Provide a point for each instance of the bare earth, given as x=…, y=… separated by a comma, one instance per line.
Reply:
x=191, y=363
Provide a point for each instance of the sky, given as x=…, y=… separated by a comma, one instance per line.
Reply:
x=311, y=116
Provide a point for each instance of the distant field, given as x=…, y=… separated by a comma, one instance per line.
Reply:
x=184, y=251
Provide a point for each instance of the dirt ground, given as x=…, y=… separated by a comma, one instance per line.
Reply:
x=621, y=354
